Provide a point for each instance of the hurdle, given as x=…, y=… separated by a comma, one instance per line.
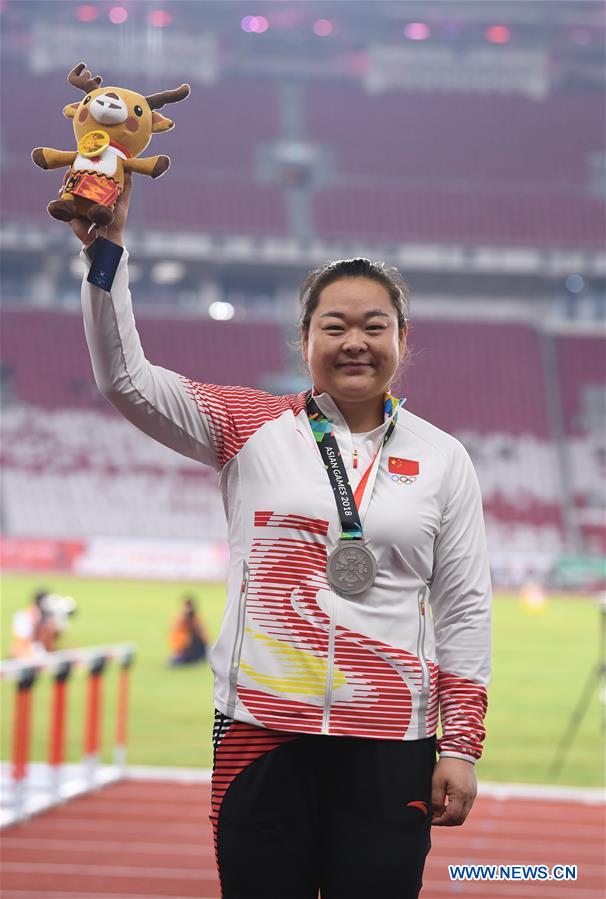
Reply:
x=29, y=795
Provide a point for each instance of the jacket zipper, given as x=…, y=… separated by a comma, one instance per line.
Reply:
x=330, y=674
x=424, y=697
x=235, y=658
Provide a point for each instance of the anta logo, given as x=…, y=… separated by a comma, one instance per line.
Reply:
x=403, y=471
x=420, y=805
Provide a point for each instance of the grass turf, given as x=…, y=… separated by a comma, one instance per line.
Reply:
x=542, y=661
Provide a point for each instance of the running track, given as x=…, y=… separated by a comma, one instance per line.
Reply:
x=152, y=840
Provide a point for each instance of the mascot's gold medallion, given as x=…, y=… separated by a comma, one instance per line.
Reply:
x=93, y=143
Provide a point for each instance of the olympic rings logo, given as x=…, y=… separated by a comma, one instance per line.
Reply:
x=402, y=479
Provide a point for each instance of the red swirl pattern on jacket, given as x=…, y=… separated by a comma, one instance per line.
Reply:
x=397, y=678
x=286, y=575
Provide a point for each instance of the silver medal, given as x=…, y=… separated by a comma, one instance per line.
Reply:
x=351, y=568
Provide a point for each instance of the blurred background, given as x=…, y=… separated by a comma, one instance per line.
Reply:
x=463, y=142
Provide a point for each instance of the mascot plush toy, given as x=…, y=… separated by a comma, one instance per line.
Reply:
x=112, y=127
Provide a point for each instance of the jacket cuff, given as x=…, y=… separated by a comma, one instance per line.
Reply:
x=105, y=256
x=458, y=755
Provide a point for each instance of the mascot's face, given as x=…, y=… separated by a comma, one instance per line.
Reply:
x=125, y=115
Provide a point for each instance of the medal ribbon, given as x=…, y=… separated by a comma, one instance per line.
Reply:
x=347, y=503
x=121, y=147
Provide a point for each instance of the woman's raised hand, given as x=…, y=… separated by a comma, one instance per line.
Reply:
x=113, y=232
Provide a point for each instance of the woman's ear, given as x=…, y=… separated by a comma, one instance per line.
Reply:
x=402, y=336
x=304, y=345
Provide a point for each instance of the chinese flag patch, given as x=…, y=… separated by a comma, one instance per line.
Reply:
x=402, y=466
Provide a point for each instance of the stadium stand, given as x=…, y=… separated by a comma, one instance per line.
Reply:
x=46, y=354
x=481, y=381
x=495, y=169
x=453, y=215
x=488, y=142
x=195, y=203
x=484, y=383
x=77, y=472
x=498, y=169
x=389, y=170
x=582, y=374
x=465, y=374
x=71, y=467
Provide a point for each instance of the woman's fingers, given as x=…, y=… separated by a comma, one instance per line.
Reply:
x=124, y=198
x=115, y=230
x=455, y=812
x=128, y=184
x=80, y=227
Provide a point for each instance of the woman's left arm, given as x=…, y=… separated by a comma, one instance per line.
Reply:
x=460, y=600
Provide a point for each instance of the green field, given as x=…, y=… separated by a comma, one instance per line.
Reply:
x=541, y=663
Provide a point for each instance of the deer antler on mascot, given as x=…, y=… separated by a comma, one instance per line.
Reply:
x=112, y=127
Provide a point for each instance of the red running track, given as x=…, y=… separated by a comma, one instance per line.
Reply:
x=152, y=840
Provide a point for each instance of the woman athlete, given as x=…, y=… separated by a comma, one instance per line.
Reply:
x=358, y=595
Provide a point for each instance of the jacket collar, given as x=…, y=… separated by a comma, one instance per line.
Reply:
x=332, y=412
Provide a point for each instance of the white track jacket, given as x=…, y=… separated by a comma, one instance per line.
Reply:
x=292, y=654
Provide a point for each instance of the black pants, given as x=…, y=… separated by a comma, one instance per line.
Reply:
x=294, y=814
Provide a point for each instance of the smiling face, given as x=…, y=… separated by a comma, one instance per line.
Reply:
x=353, y=345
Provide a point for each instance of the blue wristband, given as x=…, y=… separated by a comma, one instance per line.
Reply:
x=106, y=256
